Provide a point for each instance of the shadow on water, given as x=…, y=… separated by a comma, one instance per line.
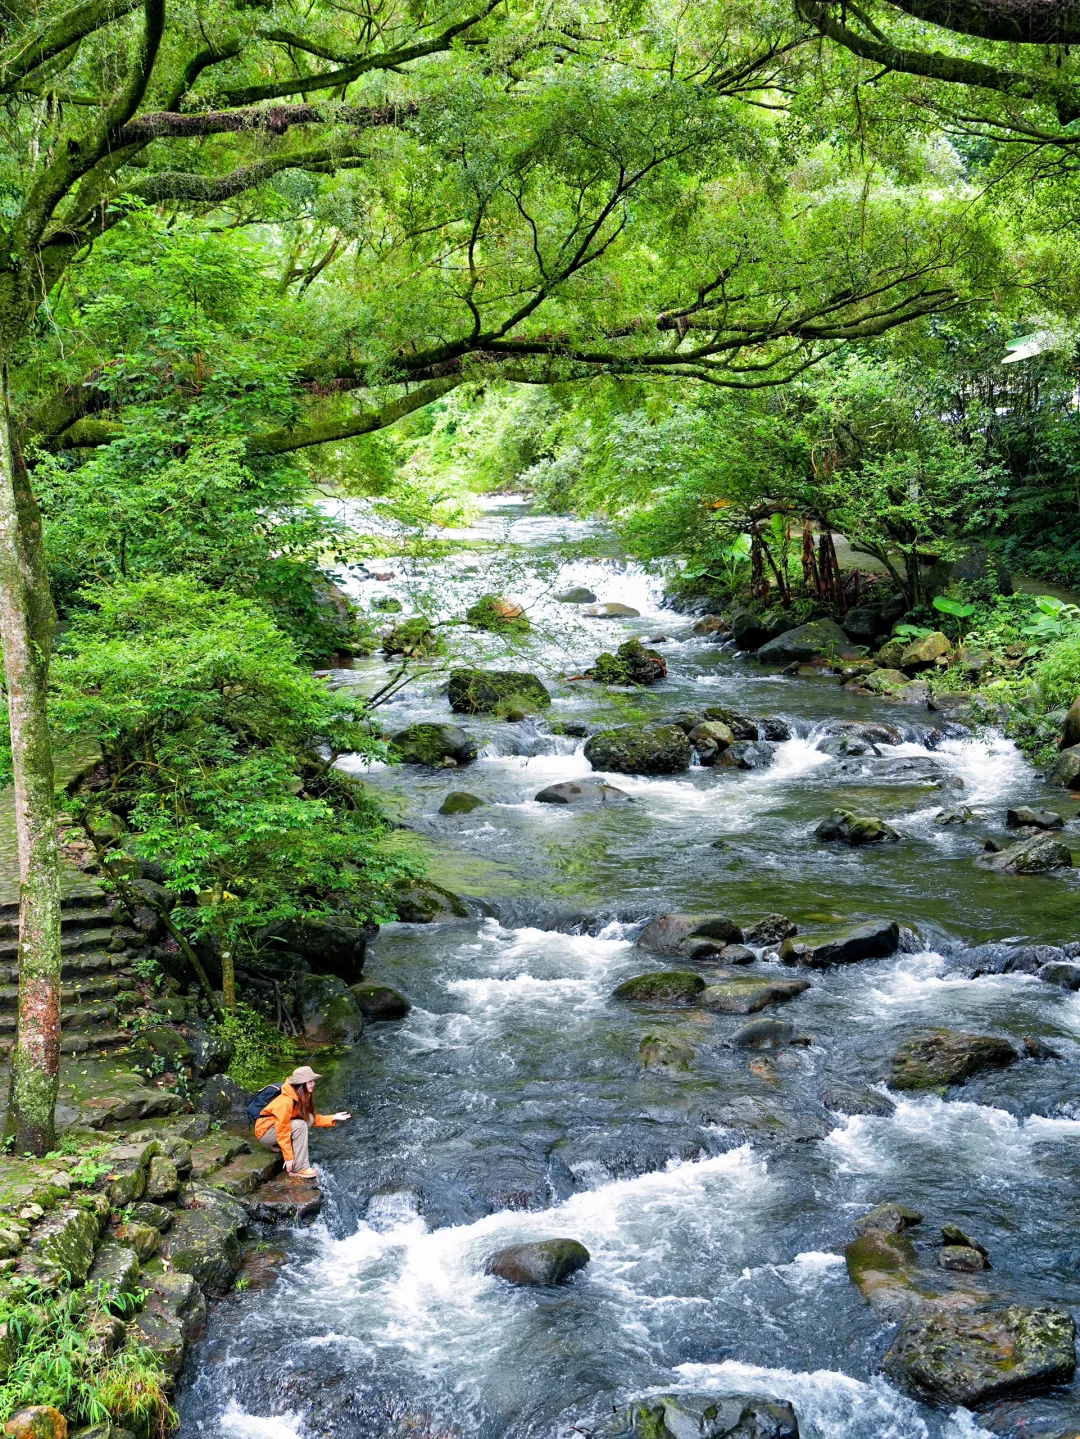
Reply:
x=715, y=1201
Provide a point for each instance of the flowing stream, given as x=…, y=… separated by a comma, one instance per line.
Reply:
x=716, y=1203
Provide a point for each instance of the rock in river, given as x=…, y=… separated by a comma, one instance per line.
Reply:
x=749, y=994
x=584, y=793
x=819, y=637
x=460, y=802
x=1024, y=815
x=764, y=1034
x=709, y=738
x=631, y=664
x=578, y=596
x=670, y=1052
x=612, y=610
x=689, y=934
x=378, y=1002
x=771, y=929
x=434, y=744
x=875, y=940
x=947, y=1056
x=665, y=988
x=1040, y=855
x=846, y=1099
x=1065, y=770
x=701, y=1416
x=960, y=1357
x=640, y=749
x=543, y=1263
x=843, y=827
x=475, y=692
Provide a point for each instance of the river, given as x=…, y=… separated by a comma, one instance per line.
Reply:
x=716, y=1202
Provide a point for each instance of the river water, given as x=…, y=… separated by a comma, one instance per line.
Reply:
x=716, y=1202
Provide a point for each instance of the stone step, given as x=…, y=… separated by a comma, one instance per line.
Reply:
x=76, y=965
x=88, y=899
x=87, y=988
x=81, y=940
x=72, y=1016
x=285, y=1200
x=211, y=1154
x=70, y=921
x=79, y=1041
x=246, y=1172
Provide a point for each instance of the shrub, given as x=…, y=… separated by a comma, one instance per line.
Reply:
x=1059, y=673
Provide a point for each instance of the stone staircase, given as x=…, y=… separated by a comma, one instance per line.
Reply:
x=98, y=978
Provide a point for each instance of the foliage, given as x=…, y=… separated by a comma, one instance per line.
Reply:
x=261, y=1051
x=1058, y=674
x=57, y=1360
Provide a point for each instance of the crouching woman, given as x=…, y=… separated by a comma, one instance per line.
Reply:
x=284, y=1123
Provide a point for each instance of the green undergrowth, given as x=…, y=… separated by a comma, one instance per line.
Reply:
x=50, y=1354
x=263, y=1053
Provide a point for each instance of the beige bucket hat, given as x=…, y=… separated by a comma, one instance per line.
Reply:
x=302, y=1075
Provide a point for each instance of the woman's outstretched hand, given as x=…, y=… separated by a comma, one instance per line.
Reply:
x=343, y=1115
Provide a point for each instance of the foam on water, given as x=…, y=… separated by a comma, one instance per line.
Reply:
x=237, y=1423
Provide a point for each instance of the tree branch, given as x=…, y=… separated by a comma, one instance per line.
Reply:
x=1020, y=22
x=167, y=125
x=72, y=27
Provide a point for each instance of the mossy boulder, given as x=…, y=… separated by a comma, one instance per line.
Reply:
x=1065, y=770
x=1042, y=855
x=971, y=1357
x=639, y=749
x=710, y=738
x=144, y=1239
x=577, y=596
x=1070, y=730
x=666, y=1052
x=205, y=1241
x=37, y=1421
x=875, y=940
x=844, y=827
x=883, y=1267
x=460, y=802
x=497, y=614
x=542, y=1264
x=750, y=994
x=883, y=681
x=378, y=1002
x=710, y=1416
x=61, y=1248
x=474, y=692
x=114, y=1276
x=329, y=1011
x=631, y=664
x=419, y=901
x=806, y=642
x=938, y=1057
x=922, y=653
x=691, y=936
x=436, y=745
x=665, y=989
x=416, y=639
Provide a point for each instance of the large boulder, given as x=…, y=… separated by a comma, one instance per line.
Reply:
x=329, y=1009
x=415, y=638
x=61, y=1248
x=764, y=1034
x=639, y=749
x=1065, y=770
x=744, y=754
x=689, y=935
x=875, y=940
x=849, y=1099
x=921, y=654
x=420, y=901
x=843, y=827
x=771, y=929
x=329, y=943
x=702, y=1416
x=541, y=1264
x=204, y=1240
x=665, y=988
x=749, y=994
x=612, y=610
x=434, y=744
x=378, y=1002
x=576, y=596
x=631, y=664
x=460, y=802
x=37, y=1421
x=710, y=738
x=937, y=1057
x=1040, y=855
x=583, y=794
x=748, y=630
x=475, y=692
x=884, y=681
x=807, y=642
x=1070, y=733
x=969, y=1357
x=864, y=624
x=1024, y=817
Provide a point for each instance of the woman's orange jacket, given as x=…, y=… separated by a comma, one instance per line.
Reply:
x=280, y=1113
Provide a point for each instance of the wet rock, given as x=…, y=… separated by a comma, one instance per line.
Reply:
x=222, y=1098
x=764, y=1034
x=921, y=654
x=434, y=744
x=378, y=1002
x=154, y=1214
x=631, y=664
x=887, y=1218
x=876, y=940
x=883, y=1266
x=205, y=1239
x=961, y=1258
x=285, y=1200
x=771, y=1120
x=677, y=933
x=670, y=1052
x=460, y=802
x=1065, y=770
x=748, y=631
x=916, y=694
x=1070, y=733
x=953, y=1234
x=939, y=1057
x=770, y=929
x=955, y=814
x=475, y=692
x=874, y=732
x=805, y=642
x=844, y=746
x=640, y=749
x=710, y=738
x=844, y=827
x=61, y=1247
x=742, y=726
x=1062, y=973
x=750, y=995
x=497, y=614
x=702, y=1416
x=710, y=625
x=145, y=1239
x=735, y=954
x=1041, y=855
x=419, y=901
x=328, y=1008
x=37, y=1421
x=612, y=610
x=667, y=988
x=114, y=1276
x=968, y=1358
x=1024, y=815
x=578, y=596
x=845, y=1099
x=211, y=1053
x=863, y=624
x=884, y=681
x=416, y=638
x=583, y=793
x=544, y=1263
x=1036, y=1049
x=744, y=754
x=577, y=729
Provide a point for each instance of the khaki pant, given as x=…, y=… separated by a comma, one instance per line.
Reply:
x=299, y=1142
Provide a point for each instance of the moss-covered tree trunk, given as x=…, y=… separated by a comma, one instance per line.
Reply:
x=26, y=625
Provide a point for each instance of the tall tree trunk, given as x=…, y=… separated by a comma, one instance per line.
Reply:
x=26, y=625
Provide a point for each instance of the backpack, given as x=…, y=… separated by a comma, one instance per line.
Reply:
x=258, y=1102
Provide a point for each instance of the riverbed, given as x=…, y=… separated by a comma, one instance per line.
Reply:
x=716, y=1202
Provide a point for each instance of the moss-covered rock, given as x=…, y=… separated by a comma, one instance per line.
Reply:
x=460, y=802
x=844, y=827
x=666, y=988
x=631, y=664
x=710, y=1416
x=475, y=692
x=328, y=1009
x=205, y=1241
x=499, y=615
x=434, y=744
x=145, y=1239
x=420, y=901
x=378, y=1002
x=162, y=1179
x=61, y=1249
x=749, y=994
x=939, y=1057
x=666, y=1052
x=1042, y=855
x=710, y=738
x=37, y=1421
x=114, y=1276
x=542, y=1264
x=129, y=1164
x=640, y=749
x=416, y=638
x=1065, y=770
x=922, y=653
x=971, y=1357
